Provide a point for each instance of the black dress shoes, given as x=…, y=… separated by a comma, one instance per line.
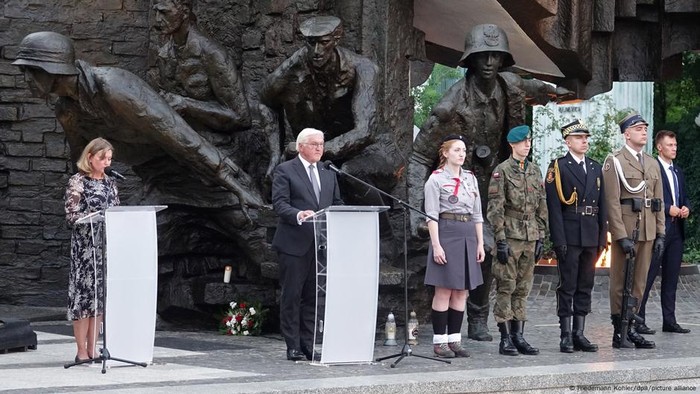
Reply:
x=643, y=329
x=294, y=355
x=675, y=327
x=311, y=355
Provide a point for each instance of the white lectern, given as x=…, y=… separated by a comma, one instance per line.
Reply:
x=131, y=281
x=347, y=273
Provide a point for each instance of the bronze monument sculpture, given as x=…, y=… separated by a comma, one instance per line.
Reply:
x=116, y=104
x=330, y=88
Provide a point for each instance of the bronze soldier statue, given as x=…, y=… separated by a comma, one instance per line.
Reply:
x=330, y=88
x=517, y=210
x=483, y=106
x=116, y=104
x=196, y=75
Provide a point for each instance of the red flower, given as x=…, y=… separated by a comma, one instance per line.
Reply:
x=239, y=317
x=243, y=305
x=251, y=323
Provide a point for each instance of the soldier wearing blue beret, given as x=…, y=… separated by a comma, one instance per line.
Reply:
x=517, y=210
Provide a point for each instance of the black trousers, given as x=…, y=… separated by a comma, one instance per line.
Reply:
x=670, y=267
x=576, y=276
x=298, y=298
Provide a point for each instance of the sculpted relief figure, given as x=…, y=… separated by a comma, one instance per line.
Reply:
x=196, y=75
x=482, y=106
x=116, y=104
x=333, y=89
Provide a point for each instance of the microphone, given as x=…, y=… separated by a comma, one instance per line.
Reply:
x=328, y=165
x=111, y=172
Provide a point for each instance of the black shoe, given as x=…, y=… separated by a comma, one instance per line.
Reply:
x=316, y=356
x=506, y=346
x=294, y=355
x=643, y=329
x=674, y=327
x=638, y=340
x=516, y=329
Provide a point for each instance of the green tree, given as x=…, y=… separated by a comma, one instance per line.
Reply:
x=429, y=93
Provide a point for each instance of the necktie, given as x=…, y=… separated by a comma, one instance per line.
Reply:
x=314, y=182
x=583, y=167
x=676, y=187
x=639, y=157
x=522, y=165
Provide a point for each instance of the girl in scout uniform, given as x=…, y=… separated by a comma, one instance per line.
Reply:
x=456, y=244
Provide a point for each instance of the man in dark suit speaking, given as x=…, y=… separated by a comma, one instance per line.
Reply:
x=676, y=209
x=299, y=187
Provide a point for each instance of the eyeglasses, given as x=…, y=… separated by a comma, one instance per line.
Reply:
x=314, y=144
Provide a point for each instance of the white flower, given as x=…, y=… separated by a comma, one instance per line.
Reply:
x=252, y=311
x=228, y=323
x=233, y=304
x=246, y=332
x=244, y=322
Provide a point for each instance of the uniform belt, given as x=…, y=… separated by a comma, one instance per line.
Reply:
x=587, y=210
x=460, y=217
x=519, y=215
x=630, y=201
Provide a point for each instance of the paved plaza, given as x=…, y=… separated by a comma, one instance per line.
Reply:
x=205, y=361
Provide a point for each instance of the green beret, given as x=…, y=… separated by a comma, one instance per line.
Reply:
x=319, y=26
x=518, y=133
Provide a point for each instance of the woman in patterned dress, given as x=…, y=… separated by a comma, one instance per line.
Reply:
x=88, y=191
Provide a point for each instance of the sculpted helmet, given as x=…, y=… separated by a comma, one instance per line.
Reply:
x=486, y=38
x=49, y=51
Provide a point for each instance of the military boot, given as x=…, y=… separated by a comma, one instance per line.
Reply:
x=638, y=340
x=506, y=346
x=617, y=341
x=477, y=317
x=566, y=344
x=580, y=341
x=516, y=329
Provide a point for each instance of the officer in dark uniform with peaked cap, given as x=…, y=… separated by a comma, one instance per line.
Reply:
x=578, y=230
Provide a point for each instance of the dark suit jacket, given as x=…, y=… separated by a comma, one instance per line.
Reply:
x=292, y=192
x=565, y=226
x=668, y=196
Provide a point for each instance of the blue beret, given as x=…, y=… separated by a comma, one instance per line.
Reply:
x=630, y=120
x=518, y=133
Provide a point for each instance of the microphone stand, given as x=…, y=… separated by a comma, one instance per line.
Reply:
x=406, y=351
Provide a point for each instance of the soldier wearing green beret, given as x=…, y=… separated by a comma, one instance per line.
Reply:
x=517, y=210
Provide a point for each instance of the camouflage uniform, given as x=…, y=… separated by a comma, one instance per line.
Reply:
x=517, y=210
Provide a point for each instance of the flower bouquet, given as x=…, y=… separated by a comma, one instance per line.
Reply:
x=242, y=318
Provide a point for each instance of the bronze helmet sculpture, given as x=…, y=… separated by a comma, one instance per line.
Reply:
x=52, y=52
x=486, y=38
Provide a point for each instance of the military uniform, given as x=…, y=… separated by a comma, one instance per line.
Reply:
x=578, y=231
x=517, y=210
x=620, y=194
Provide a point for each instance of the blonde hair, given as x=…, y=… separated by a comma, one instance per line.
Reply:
x=93, y=147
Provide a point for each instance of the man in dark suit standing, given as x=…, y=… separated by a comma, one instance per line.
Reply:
x=299, y=187
x=578, y=230
x=676, y=210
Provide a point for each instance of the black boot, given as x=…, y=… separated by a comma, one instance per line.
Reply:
x=638, y=340
x=580, y=341
x=566, y=344
x=516, y=329
x=506, y=346
x=477, y=328
x=617, y=339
